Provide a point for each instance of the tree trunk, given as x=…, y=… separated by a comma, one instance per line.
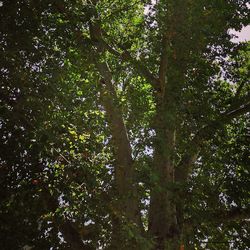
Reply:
x=126, y=213
x=164, y=224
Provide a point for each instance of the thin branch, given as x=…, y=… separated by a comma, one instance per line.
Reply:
x=126, y=56
x=61, y=155
x=204, y=134
x=163, y=63
x=221, y=216
x=239, y=89
x=237, y=112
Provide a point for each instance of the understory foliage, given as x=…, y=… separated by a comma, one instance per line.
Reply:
x=124, y=125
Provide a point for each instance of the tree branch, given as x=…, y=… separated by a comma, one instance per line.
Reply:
x=125, y=56
x=165, y=42
x=221, y=216
x=128, y=203
x=163, y=63
x=96, y=34
x=238, y=91
x=184, y=168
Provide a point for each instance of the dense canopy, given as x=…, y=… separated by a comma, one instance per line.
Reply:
x=124, y=125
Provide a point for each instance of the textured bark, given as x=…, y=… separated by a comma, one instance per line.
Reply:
x=164, y=219
x=163, y=225
x=126, y=207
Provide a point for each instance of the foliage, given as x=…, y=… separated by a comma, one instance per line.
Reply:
x=59, y=154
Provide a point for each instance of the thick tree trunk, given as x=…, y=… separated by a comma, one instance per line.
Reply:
x=164, y=224
x=126, y=213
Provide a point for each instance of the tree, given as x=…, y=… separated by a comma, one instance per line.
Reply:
x=124, y=125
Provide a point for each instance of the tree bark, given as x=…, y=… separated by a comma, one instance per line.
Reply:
x=126, y=209
x=164, y=219
x=163, y=224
